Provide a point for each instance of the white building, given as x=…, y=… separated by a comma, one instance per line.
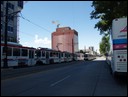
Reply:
x=91, y=48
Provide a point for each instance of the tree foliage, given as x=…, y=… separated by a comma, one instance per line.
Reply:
x=104, y=44
x=106, y=11
x=81, y=51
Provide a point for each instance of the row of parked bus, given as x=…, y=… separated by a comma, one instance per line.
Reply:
x=18, y=55
x=87, y=56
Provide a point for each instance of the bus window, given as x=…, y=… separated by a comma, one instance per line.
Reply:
x=56, y=54
x=38, y=53
x=31, y=53
x=52, y=54
x=47, y=55
x=24, y=52
x=43, y=53
x=9, y=51
x=62, y=54
x=16, y=52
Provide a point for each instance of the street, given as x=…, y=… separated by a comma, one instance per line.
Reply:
x=82, y=78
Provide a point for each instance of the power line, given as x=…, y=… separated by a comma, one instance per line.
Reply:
x=34, y=23
x=28, y=34
x=25, y=33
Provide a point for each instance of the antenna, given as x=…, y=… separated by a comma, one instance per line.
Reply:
x=56, y=23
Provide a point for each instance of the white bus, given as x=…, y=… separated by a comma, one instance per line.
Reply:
x=80, y=56
x=47, y=56
x=117, y=57
x=88, y=56
x=17, y=55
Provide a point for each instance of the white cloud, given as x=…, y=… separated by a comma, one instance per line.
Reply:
x=42, y=42
x=26, y=43
x=38, y=42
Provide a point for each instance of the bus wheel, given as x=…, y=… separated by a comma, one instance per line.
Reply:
x=110, y=70
x=115, y=75
x=39, y=63
x=51, y=61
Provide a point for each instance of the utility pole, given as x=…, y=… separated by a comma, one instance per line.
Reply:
x=5, y=65
x=72, y=46
x=6, y=35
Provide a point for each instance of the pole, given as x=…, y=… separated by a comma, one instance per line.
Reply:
x=72, y=46
x=6, y=35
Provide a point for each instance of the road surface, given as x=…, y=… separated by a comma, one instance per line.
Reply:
x=82, y=78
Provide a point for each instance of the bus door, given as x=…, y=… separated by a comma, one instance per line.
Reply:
x=47, y=57
x=59, y=57
x=31, y=57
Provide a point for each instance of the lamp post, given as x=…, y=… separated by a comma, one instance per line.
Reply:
x=58, y=45
x=106, y=51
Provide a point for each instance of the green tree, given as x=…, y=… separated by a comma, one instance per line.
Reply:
x=104, y=44
x=81, y=51
x=106, y=11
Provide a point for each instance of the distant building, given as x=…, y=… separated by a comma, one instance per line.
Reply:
x=65, y=39
x=13, y=20
x=91, y=48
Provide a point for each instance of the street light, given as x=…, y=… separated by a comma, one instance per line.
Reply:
x=58, y=45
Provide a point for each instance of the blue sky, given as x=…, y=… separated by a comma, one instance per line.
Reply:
x=75, y=14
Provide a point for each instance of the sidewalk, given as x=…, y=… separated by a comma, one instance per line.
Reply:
x=101, y=58
x=6, y=69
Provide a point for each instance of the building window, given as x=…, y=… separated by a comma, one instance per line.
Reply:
x=11, y=18
x=10, y=6
x=2, y=2
x=1, y=13
x=11, y=39
x=20, y=4
x=2, y=37
x=1, y=27
x=10, y=29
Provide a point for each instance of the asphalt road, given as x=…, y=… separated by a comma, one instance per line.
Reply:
x=82, y=78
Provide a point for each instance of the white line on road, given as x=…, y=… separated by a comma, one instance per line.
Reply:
x=60, y=81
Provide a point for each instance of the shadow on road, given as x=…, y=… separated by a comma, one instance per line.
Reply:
x=121, y=79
